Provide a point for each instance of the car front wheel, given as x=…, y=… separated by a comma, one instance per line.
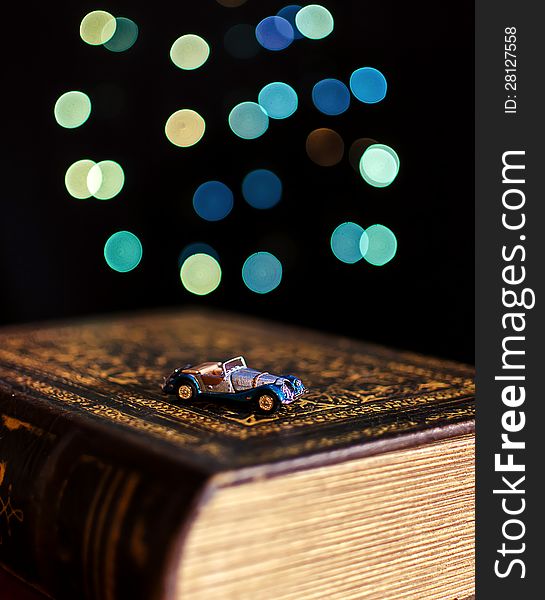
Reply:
x=185, y=391
x=267, y=403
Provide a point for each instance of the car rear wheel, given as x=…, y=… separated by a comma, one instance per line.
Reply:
x=267, y=403
x=185, y=391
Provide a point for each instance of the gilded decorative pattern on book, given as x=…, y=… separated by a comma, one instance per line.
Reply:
x=357, y=391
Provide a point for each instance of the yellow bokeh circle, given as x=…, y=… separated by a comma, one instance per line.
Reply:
x=185, y=128
x=97, y=27
x=189, y=52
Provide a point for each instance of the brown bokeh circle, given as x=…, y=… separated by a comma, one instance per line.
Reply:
x=325, y=147
x=231, y=3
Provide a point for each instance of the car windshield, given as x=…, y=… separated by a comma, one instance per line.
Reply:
x=233, y=363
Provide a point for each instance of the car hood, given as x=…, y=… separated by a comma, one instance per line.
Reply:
x=245, y=379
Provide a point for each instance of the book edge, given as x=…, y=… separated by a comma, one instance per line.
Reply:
x=215, y=482
x=175, y=556
x=322, y=459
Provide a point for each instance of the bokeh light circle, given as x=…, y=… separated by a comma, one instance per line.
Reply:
x=94, y=179
x=97, y=27
x=356, y=151
x=274, y=33
x=314, y=21
x=248, y=120
x=189, y=52
x=240, y=41
x=262, y=272
x=368, y=85
x=262, y=188
x=75, y=179
x=185, y=128
x=288, y=13
x=123, y=251
x=325, y=147
x=72, y=109
x=331, y=97
x=196, y=248
x=381, y=245
x=231, y=3
x=200, y=274
x=379, y=165
x=279, y=100
x=213, y=201
x=105, y=180
x=347, y=242
x=125, y=36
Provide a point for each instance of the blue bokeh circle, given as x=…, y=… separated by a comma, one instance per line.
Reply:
x=213, y=201
x=331, y=96
x=262, y=188
x=262, y=272
x=274, y=33
x=279, y=100
x=368, y=85
x=288, y=13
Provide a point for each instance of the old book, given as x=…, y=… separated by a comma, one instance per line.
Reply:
x=363, y=488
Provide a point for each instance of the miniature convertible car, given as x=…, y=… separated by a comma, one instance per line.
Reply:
x=233, y=380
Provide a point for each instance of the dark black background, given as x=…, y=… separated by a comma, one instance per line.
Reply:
x=51, y=245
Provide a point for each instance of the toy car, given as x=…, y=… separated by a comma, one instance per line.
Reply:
x=233, y=380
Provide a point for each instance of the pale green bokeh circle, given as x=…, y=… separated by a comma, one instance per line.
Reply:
x=379, y=165
x=72, y=109
x=189, y=52
x=381, y=245
x=105, y=180
x=75, y=179
x=314, y=21
x=248, y=120
x=97, y=27
x=200, y=274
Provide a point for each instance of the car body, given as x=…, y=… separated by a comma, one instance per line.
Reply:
x=233, y=380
